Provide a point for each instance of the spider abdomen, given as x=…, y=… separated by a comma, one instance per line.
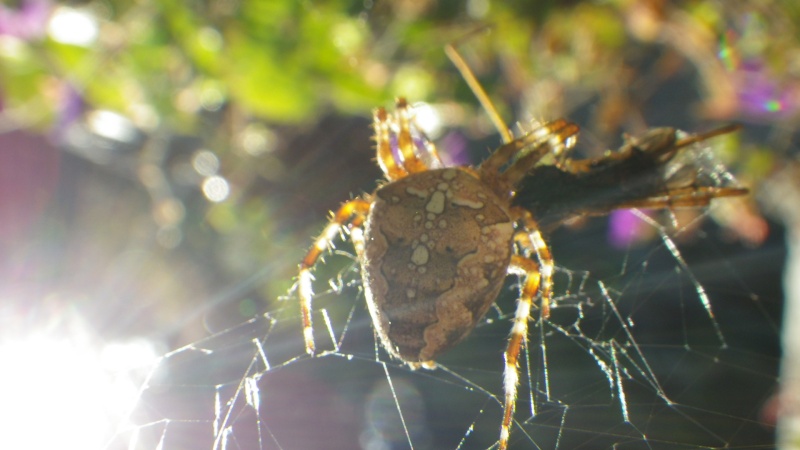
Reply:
x=437, y=247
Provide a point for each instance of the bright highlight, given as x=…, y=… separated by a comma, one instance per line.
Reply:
x=59, y=393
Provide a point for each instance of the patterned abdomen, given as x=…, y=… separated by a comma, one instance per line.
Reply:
x=437, y=247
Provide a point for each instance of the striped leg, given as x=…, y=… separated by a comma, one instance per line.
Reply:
x=519, y=333
x=350, y=215
x=400, y=153
x=538, y=277
x=531, y=241
x=686, y=197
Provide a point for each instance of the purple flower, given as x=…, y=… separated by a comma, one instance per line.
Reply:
x=70, y=109
x=26, y=21
x=760, y=94
x=456, y=153
x=625, y=228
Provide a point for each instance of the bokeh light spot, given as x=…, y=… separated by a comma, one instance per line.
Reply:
x=111, y=125
x=73, y=26
x=212, y=96
x=216, y=188
x=428, y=119
x=210, y=39
x=773, y=105
x=205, y=162
x=168, y=212
x=257, y=139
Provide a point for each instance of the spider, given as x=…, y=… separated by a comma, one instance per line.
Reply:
x=435, y=243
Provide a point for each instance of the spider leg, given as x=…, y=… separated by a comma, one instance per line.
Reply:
x=530, y=241
x=538, y=279
x=519, y=333
x=386, y=159
x=660, y=144
x=350, y=215
x=405, y=160
x=686, y=197
x=554, y=138
x=550, y=138
x=405, y=142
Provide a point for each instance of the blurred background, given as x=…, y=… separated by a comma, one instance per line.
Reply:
x=165, y=165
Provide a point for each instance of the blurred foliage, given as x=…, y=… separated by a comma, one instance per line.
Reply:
x=277, y=94
x=163, y=62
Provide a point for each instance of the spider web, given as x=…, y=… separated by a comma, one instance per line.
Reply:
x=670, y=345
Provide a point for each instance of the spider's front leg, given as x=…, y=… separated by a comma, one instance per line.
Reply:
x=530, y=270
x=538, y=277
x=531, y=241
x=522, y=154
x=350, y=215
x=402, y=152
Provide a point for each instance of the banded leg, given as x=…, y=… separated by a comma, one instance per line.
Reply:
x=553, y=138
x=550, y=138
x=405, y=142
x=687, y=197
x=531, y=241
x=519, y=334
x=386, y=160
x=412, y=154
x=351, y=215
